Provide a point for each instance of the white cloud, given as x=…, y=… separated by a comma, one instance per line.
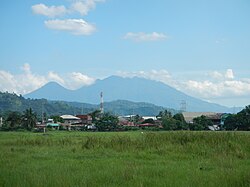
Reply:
x=77, y=80
x=216, y=86
x=229, y=74
x=7, y=82
x=26, y=68
x=21, y=83
x=161, y=75
x=74, y=26
x=84, y=6
x=52, y=76
x=216, y=75
x=51, y=11
x=158, y=75
x=28, y=81
x=143, y=37
x=208, y=89
x=81, y=6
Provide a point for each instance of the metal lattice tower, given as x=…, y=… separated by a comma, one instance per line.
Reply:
x=183, y=106
x=101, y=105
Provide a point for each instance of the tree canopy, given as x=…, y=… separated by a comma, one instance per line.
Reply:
x=107, y=122
x=239, y=121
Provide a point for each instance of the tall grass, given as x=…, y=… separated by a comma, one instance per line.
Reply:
x=125, y=159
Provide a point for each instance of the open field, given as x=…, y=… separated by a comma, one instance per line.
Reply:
x=181, y=158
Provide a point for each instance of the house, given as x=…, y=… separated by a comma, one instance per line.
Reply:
x=149, y=117
x=189, y=116
x=53, y=125
x=148, y=125
x=69, y=119
x=217, y=118
x=85, y=119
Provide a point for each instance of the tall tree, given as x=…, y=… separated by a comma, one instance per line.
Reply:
x=165, y=113
x=29, y=119
x=13, y=119
x=239, y=121
x=57, y=119
x=180, y=121
x=231, y=122
x=201, y=123
x=169, y=123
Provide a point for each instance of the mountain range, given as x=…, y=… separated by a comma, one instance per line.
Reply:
x=12, y=102
x=131, y=89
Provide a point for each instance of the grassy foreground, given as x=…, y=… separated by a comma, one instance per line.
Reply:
x=125, y=159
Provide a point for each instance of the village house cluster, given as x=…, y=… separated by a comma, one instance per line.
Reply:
x=85, y=121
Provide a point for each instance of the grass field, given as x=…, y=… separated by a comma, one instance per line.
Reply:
x=125, y=159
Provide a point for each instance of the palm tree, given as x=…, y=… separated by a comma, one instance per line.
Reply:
x=29, y=119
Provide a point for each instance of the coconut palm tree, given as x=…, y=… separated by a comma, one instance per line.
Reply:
x=29, y=119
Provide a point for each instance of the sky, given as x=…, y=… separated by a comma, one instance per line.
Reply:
x=200, y=47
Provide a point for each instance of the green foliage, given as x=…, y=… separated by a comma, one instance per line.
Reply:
x=13, y=102
x=180, y=122
x=200, y=123
x=179, y=158
x=13, y=120
x=135, y=118
x=29, y=119
x=231, y=122
x=107, y=122
x=150, y=120
x=244, y=119
x=164, y=114
x=239, y=121
x=96, y=115
x=170, y=122
x=57, y=119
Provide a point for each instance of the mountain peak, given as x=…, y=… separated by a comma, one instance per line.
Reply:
x=52, y=84
x=134, y=89
x=51, y=91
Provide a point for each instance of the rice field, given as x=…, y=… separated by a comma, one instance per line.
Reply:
x=181, y=158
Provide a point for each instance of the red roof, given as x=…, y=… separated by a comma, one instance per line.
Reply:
x=147, y=125
x=86, y=117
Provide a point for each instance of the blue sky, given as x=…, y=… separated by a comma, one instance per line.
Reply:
x=201, y=47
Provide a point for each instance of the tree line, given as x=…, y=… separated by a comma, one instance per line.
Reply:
x=15, y=120
x=239, y=121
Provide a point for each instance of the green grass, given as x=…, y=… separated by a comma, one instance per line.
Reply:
x=125, y=159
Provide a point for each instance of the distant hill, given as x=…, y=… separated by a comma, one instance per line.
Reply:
x=52, y=91
x=131, y=89
x=13, y=102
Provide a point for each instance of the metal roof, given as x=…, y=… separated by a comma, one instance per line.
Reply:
x=69, y=117
x=189, y=116
x=52, y=124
